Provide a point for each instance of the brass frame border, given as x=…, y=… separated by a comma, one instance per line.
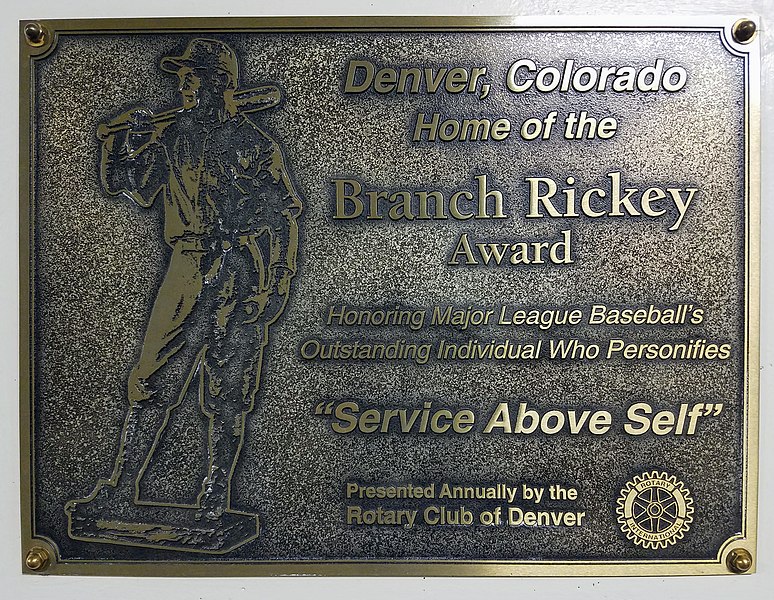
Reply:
x=721, y=24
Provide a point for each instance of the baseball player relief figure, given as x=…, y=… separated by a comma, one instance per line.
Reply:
x=230, y=213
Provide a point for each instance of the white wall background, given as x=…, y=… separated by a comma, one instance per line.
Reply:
x=13, y=585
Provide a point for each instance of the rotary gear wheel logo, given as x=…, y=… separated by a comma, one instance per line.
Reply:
x=655, y=510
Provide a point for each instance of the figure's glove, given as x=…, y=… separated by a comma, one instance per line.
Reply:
x=266, y=305
x=282, y=276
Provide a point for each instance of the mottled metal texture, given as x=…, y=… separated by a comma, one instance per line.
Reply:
x=99, y=262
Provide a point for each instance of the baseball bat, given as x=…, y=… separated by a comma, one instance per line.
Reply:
x=246, y=101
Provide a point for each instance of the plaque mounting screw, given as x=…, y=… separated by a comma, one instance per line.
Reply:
x=37, y=559
x=35, y=34
x=744, y=31
x=739, y=560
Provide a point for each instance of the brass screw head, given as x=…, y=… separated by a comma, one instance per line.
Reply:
x=739, y=560
x=37, y=559
x=35, y=34
x=744, y=31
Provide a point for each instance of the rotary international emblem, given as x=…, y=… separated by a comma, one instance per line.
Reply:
x=655, y=510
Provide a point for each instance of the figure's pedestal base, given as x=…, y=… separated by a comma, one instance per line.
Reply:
x=154, y=526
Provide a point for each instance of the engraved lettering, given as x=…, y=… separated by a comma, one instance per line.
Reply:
x=524, y=75
x=655, y=202
x=483, y=202
x=363, y=75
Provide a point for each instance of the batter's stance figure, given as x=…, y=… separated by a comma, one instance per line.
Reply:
x=231, y=221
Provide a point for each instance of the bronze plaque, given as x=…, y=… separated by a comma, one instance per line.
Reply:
x=389, y=296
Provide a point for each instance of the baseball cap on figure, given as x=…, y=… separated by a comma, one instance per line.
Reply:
x=207, y=55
